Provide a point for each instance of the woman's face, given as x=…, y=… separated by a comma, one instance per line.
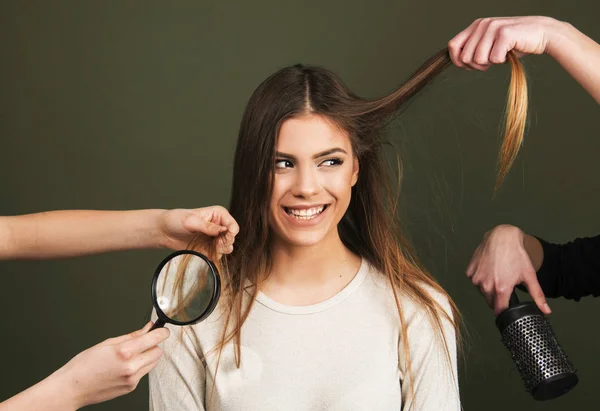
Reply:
x=315, y=170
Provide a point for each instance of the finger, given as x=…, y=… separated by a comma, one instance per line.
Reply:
x=144, y=342
x=468, y=52
x=226, y=239
x=481, y=55
x=456, y=45
x=536, y=292
x=501, y=302
x=126, y=337
x=146, y=327
x=146, y=369
x=472, y=267
x=228, y=221
x=221, y=215
x=143, y=360
x=503, y=43
x=197, y=224
x=225, y=249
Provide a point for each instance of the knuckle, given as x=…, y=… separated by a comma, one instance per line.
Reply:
x=123, y=353
x=131, y=383
x=487, y=289
x=504, y=32
x=501, y=288
x=496, y=59
x=109, y=341
x=128, y=370
x=493, y=23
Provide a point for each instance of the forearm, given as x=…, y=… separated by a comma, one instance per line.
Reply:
x=47, y=395
x=57, y=234
x=579, y=55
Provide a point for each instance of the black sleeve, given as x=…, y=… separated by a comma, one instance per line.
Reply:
x=571, y=270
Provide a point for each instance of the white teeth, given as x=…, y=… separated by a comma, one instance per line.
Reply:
x=305, y=214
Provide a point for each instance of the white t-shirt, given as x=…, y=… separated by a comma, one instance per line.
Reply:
x=341, y=354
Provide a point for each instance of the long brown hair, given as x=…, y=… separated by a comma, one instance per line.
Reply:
x=370, y=227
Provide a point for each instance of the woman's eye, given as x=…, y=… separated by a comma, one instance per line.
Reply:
x=332, y=162
x=282, y=164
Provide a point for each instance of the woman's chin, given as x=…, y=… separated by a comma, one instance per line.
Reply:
x=302, y=238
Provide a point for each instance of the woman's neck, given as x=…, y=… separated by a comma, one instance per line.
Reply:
x=302, y=275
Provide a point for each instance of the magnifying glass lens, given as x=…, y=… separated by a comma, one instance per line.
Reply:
x=185, y=288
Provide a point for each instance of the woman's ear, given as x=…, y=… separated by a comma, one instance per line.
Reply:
x=355, y=168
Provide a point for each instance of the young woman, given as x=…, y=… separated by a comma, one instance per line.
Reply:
x=325, y=305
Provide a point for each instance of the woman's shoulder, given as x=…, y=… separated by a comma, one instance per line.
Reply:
x=411, y=306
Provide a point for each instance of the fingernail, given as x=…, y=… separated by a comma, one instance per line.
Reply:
x=547, y=308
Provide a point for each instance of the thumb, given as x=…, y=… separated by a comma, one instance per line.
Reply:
x=126, y=337
x=535, y=290
x=196, y=224
x=472, y=267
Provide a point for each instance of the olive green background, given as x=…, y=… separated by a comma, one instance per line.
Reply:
x=133, y=104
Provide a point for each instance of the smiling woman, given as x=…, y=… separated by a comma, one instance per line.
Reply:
x=335, y=309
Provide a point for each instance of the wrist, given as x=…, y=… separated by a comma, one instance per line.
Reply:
x=61, y=391
x=558, y=34
x=152, y=228
x=535, y=251
x=162, y=238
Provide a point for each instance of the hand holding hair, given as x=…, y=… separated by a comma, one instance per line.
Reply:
x=68, y=233
x=488, y=41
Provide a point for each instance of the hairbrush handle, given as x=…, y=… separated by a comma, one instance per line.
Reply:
x=514, y=299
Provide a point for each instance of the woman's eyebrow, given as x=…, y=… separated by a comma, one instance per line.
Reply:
x=318, y=155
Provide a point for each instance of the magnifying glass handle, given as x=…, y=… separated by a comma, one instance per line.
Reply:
x=158, y=324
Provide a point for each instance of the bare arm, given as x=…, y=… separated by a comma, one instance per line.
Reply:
x=58, y=234
x=48, y=395
x=579, y=55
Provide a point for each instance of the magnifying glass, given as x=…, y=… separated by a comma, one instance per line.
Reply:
x=185, y=288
